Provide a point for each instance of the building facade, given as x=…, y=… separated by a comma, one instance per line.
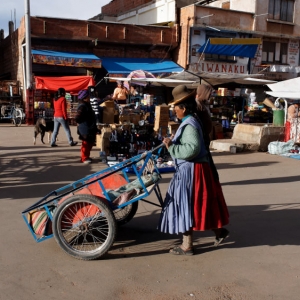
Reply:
x=275, y=22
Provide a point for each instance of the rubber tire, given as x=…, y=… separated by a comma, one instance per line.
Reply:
x=128, y=212
x=85, y=233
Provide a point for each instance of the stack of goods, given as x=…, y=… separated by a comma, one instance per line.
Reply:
x=147, y=100
x=132, y=116
x=162, y=116
x=103, y=139
x=42, y=104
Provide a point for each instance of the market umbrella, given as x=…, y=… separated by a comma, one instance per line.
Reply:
x=138, y=74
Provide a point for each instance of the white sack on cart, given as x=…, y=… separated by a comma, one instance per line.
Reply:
x=280, y=147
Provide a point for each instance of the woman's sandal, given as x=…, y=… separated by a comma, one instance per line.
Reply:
x=179, y=251
x=224, y=234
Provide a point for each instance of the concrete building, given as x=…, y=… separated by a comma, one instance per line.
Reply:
x=276, y=22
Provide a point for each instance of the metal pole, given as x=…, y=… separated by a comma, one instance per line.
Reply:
x=28, y=66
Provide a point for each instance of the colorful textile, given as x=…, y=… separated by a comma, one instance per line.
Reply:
x=40, y=221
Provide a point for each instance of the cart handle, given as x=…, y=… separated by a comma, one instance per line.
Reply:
x=153, y=150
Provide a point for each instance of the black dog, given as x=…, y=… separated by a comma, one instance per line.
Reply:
x=41, y=127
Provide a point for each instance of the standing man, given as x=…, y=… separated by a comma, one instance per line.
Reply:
x=87, y=128
x=61, y=118
x=120, y=93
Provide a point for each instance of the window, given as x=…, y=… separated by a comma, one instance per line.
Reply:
x=218, y=57
x=282, y=10
x=275, y=53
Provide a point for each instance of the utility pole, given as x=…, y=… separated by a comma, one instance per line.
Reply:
x=28, y=66
x=29, y=110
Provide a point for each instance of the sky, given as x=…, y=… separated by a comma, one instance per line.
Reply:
x=68, y=9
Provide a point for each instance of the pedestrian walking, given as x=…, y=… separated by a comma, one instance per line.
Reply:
x=194, y=200
x=61, y=118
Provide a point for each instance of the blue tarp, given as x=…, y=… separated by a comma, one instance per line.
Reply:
x=118, y=65
x=230, y=50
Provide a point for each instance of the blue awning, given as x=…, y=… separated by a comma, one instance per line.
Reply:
x=118, y=65
x=231, y=47
x=69, y=59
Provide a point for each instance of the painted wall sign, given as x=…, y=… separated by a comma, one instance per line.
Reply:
x=217, y=67
x=293, y=53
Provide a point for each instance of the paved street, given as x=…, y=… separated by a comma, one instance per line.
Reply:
x=260, y=259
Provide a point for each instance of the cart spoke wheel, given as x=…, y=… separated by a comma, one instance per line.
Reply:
x=125, y=214
x=84, y=226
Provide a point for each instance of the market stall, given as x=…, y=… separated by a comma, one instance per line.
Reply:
x=288, y=89
x=44, y=92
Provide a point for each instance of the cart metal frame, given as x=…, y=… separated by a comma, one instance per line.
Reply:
x=138, y=164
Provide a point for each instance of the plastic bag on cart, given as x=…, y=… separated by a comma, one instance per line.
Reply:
x=132, y=188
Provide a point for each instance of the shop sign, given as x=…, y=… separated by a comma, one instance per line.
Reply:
x=217, y=67
x=66, y=61
x=293, y=53
x=278, y=76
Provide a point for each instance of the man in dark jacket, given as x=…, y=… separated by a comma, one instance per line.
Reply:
x=87, y=129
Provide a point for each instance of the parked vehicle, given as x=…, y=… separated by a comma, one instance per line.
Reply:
x=12, y=112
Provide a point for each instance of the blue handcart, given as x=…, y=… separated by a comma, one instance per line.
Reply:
x=83, y=216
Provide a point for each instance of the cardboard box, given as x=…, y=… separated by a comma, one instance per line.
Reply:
x=162, y=112
x=160, y=123
x=108, y=103
x=102, y=140
x=173, y=126
x=124, y=119
x=134, y=118
x=108, y=115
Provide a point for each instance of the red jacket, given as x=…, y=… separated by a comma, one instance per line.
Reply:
x=60, y=108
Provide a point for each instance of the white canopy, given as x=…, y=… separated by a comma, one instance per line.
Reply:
x=215, y=79
x=191, y=80
x=286, y=89
x=157, y=81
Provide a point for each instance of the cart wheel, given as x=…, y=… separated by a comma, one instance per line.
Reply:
x=84, y=227
x=125, y=214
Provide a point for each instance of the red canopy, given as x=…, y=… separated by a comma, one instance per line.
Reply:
x=72, y=84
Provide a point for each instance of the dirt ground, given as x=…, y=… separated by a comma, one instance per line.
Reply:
x=260, y=259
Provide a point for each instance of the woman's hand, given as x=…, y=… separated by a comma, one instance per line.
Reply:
x=168, y=141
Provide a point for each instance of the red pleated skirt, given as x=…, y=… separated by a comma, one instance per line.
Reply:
x=210, y=209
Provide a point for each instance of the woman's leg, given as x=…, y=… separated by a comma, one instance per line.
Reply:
x=221, y=235
x=85, y=150
x=55, y=132
x=66, y=127
x=186, y=248
x=187, y=241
